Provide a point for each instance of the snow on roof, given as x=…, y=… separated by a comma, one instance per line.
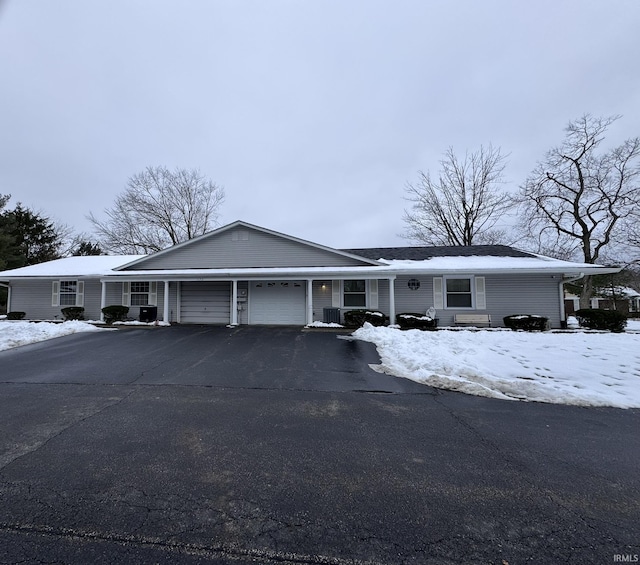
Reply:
x=104, y=265
x=487, y=263
x=77, y=266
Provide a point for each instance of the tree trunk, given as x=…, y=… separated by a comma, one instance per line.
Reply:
x=586, y=293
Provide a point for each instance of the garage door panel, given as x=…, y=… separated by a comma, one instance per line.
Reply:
x=205, y=302
x=277, y=302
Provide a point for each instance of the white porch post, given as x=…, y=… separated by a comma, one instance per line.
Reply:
x=103, y=299
x=165, y=314
x=392, y=300
x=234, y=302
x=309, y=301
x=178, y=300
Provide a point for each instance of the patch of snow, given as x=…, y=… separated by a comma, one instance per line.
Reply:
x=633, y=325
x=138, y=323
x=324, y=325
x=17, y=333
x=413, y=317
x=572, y=322
x=578, y=368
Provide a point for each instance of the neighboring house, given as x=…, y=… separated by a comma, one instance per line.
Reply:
x=245, y=274
x=626, y=300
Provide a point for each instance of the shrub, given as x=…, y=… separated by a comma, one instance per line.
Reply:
x=598, y=319
x=115, y=313
x=356, y=318
x=526, y=322
x=412, y=320
x=15, y=315
x=73, y=313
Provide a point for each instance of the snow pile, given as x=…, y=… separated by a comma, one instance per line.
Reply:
x=324, y=325
x=138, y=323
x=585, y=369
x=14, y=334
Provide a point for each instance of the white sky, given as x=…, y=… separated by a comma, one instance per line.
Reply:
x=313, y=114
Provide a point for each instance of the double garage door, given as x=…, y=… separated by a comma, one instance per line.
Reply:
x=270, y=302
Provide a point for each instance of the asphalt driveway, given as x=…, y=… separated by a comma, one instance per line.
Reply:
x=274, y=445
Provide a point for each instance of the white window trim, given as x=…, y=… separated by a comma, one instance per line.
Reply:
x=56, y=293
x=153, y=294
x=366, y=295
x=478, y=291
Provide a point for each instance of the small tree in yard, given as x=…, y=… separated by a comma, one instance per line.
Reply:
x=578, y=199
x=463, y=206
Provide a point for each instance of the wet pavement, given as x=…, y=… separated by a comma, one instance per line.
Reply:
x=275, y=445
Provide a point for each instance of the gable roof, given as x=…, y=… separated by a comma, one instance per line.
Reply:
x=428, y=252
x=139, y=263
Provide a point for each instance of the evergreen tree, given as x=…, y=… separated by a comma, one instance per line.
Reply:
x=27, y=238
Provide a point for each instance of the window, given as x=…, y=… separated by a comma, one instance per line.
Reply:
x=68, y=293
x=139, y=293
x=459, y=293
x=355, y=293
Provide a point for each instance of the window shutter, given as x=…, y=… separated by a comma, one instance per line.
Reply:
x=153, y=294
x=335, y=294
x=481, y=298
x=80, y=294
x=126, y=294
x=438, y=298
x=373, y=294
x=55, y=293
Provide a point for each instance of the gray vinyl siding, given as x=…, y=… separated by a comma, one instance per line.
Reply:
x=34, y=298
x=321, y=299
x=419, y=300
x=259, y=250
x=505, y=295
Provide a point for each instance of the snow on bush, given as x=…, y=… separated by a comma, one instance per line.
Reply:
x=585, y=369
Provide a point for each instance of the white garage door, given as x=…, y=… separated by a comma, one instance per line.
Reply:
x=205, y=302
x=277, y=302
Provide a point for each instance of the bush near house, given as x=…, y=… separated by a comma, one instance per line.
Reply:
x=115, y=313
x=412, y=320
x=357, y=318
x=15, y=315
x=73, y=313
x=598, y=319
x=526, y=322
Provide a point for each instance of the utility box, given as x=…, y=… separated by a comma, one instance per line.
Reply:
x=148, y=313
x=331, y=315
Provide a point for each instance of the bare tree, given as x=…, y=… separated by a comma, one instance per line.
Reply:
x=464, y=205
x=159, y=208
x=578, y=199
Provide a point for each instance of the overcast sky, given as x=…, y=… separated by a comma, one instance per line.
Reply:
x=313, y=114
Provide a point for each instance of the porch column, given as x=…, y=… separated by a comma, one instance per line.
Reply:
x=165, y=314
x=234, y=302
x=392, y=300
x=178, y=300
x=309, y=301
x=103, y=299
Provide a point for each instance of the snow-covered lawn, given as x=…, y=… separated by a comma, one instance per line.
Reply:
x=580, y=368
x=14, y=334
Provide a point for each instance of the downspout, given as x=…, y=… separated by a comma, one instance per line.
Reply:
x=8, y=287
x=563, y=315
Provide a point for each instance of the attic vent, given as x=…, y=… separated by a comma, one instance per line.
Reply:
x=240, y=235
